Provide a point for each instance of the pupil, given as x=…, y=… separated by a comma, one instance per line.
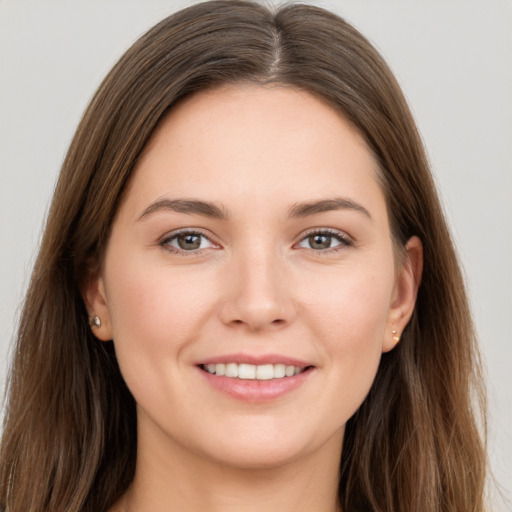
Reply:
x=320, y=241
x=189, y=242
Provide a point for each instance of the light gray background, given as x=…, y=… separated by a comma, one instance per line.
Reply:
x=453, y=59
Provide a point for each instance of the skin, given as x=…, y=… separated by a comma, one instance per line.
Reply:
x=256, y=285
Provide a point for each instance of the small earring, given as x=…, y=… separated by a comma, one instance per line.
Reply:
x=396, y=338
x=95, y=321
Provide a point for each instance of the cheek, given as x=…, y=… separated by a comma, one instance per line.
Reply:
x=349, y=319
x=155, y=298
x=352, y=306
x=155, y=312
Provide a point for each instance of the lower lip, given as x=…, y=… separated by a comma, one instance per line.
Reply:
x=256, y=390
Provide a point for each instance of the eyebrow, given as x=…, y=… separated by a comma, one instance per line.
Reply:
x=208, y=209
x=189, y=206
x=326, y=205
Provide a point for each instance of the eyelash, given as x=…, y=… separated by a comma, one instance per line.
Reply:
x=182, y=252
x=343, y=239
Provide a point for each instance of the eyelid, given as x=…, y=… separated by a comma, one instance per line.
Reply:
x=164, y=241
x=345, y=239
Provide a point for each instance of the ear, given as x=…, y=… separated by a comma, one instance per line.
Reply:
x=405, y=291
x=96, y=303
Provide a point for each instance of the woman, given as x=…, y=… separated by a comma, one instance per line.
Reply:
x=266, y=307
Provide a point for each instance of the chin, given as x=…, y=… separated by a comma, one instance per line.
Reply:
x=265, y=448
x=253, y=458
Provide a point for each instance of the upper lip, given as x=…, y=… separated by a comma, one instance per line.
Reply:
x=256, y=360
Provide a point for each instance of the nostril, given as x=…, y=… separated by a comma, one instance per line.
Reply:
x=278, y=322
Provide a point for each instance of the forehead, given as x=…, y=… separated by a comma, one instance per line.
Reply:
x=269, y=143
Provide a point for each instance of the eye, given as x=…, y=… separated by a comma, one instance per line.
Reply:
x=187, y=241
x=324, y=240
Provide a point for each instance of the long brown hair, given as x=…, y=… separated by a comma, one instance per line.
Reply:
x=69, y=441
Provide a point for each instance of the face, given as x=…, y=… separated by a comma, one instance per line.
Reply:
x=253, y=240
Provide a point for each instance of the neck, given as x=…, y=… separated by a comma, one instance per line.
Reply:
x=186, y=481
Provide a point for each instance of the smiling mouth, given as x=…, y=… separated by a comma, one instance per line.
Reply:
x=253, y=372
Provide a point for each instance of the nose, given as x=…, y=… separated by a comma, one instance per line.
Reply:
x=257, y=293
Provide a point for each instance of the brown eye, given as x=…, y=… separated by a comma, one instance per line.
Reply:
x=324, y=240
x=187, y=241
x=319, y=241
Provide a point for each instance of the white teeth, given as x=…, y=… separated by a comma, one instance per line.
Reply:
x=289, y=371
x=246, y=371
x=252, y=372
x=265, y=372
x=231, y=370
x=279, y=371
